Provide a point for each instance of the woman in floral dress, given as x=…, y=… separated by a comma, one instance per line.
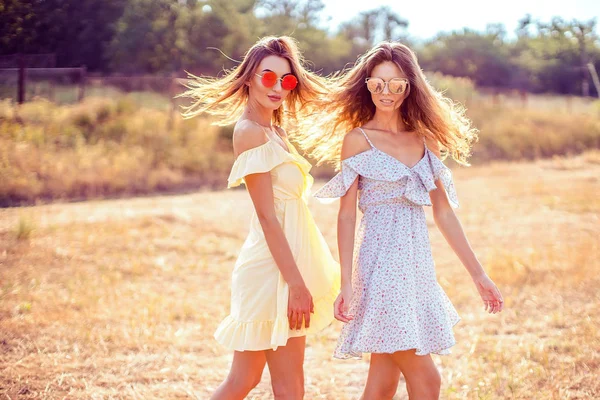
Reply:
x=391, y=302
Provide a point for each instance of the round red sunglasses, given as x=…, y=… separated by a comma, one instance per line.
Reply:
x=270, y=78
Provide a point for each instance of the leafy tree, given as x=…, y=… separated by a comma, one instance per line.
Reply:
x=78, y=31
x=466, y=53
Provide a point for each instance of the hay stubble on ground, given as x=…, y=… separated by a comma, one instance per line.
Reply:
x=119, y=298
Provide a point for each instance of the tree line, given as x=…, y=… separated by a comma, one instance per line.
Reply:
x=205, y=36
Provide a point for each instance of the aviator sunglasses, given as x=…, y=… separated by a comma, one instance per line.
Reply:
x=269, y=79
x=395, y=85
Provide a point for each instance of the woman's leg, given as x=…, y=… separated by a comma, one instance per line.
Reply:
x=420, y=373
x=245, y=373
x=382, y=381
x=286, y=365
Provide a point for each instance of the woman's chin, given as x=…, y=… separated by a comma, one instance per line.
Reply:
x=385, y=108
x=270, y=105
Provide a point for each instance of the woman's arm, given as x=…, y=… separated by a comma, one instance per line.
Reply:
x=354, y=143
x=450, y=226
x=260, y=187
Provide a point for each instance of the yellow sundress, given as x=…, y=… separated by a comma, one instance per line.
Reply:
x=259, y=294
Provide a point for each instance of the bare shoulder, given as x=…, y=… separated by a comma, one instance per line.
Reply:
x=354, y=143
x=246, y=136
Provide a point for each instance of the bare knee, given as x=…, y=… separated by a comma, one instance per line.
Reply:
x=381, y=386
x=388, y=390
x=383, y=378
x=289, y=390
x=434, y=382
x=383, y=390
x=430, y=384
x=242, y=385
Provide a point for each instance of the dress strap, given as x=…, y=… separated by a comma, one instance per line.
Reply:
x=264, y=128
x=366, y=137
x=281, y=140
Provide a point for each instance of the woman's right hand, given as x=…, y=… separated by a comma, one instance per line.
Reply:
x=342, y=304
x=300, y=306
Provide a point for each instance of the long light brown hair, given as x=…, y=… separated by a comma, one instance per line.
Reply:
x=226, y=96
x=349, y=105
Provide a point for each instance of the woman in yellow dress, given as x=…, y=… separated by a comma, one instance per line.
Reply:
x=285, y=279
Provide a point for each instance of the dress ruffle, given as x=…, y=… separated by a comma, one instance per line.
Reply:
x=419, y=180
x=262, y=159
x=237, y=335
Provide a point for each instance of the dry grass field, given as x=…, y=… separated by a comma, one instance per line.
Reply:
x=118, y=299
x=131, y=145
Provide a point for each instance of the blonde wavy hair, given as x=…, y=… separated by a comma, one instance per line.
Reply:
x=226, y=96
x=348, y=105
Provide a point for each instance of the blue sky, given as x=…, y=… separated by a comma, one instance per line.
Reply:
x=426, y=18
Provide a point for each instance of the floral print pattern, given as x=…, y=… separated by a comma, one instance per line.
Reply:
x=397, y=302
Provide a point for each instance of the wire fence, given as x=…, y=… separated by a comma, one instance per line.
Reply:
x=29, y=77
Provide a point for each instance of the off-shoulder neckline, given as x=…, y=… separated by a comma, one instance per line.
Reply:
x=375, y=149
x=269, y=141
x=292, y=153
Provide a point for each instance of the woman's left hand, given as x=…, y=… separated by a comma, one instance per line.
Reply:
x=492, y=299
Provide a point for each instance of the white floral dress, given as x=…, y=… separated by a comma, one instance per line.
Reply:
x=397, y=302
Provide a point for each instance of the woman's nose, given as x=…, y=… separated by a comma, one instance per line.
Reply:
x=385, y=89
x=277, y=88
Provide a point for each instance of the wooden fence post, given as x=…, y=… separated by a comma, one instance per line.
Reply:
x=83, y=73
x=523, y=95
x=21, y=85
x=595, y=79
x=172, y=104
